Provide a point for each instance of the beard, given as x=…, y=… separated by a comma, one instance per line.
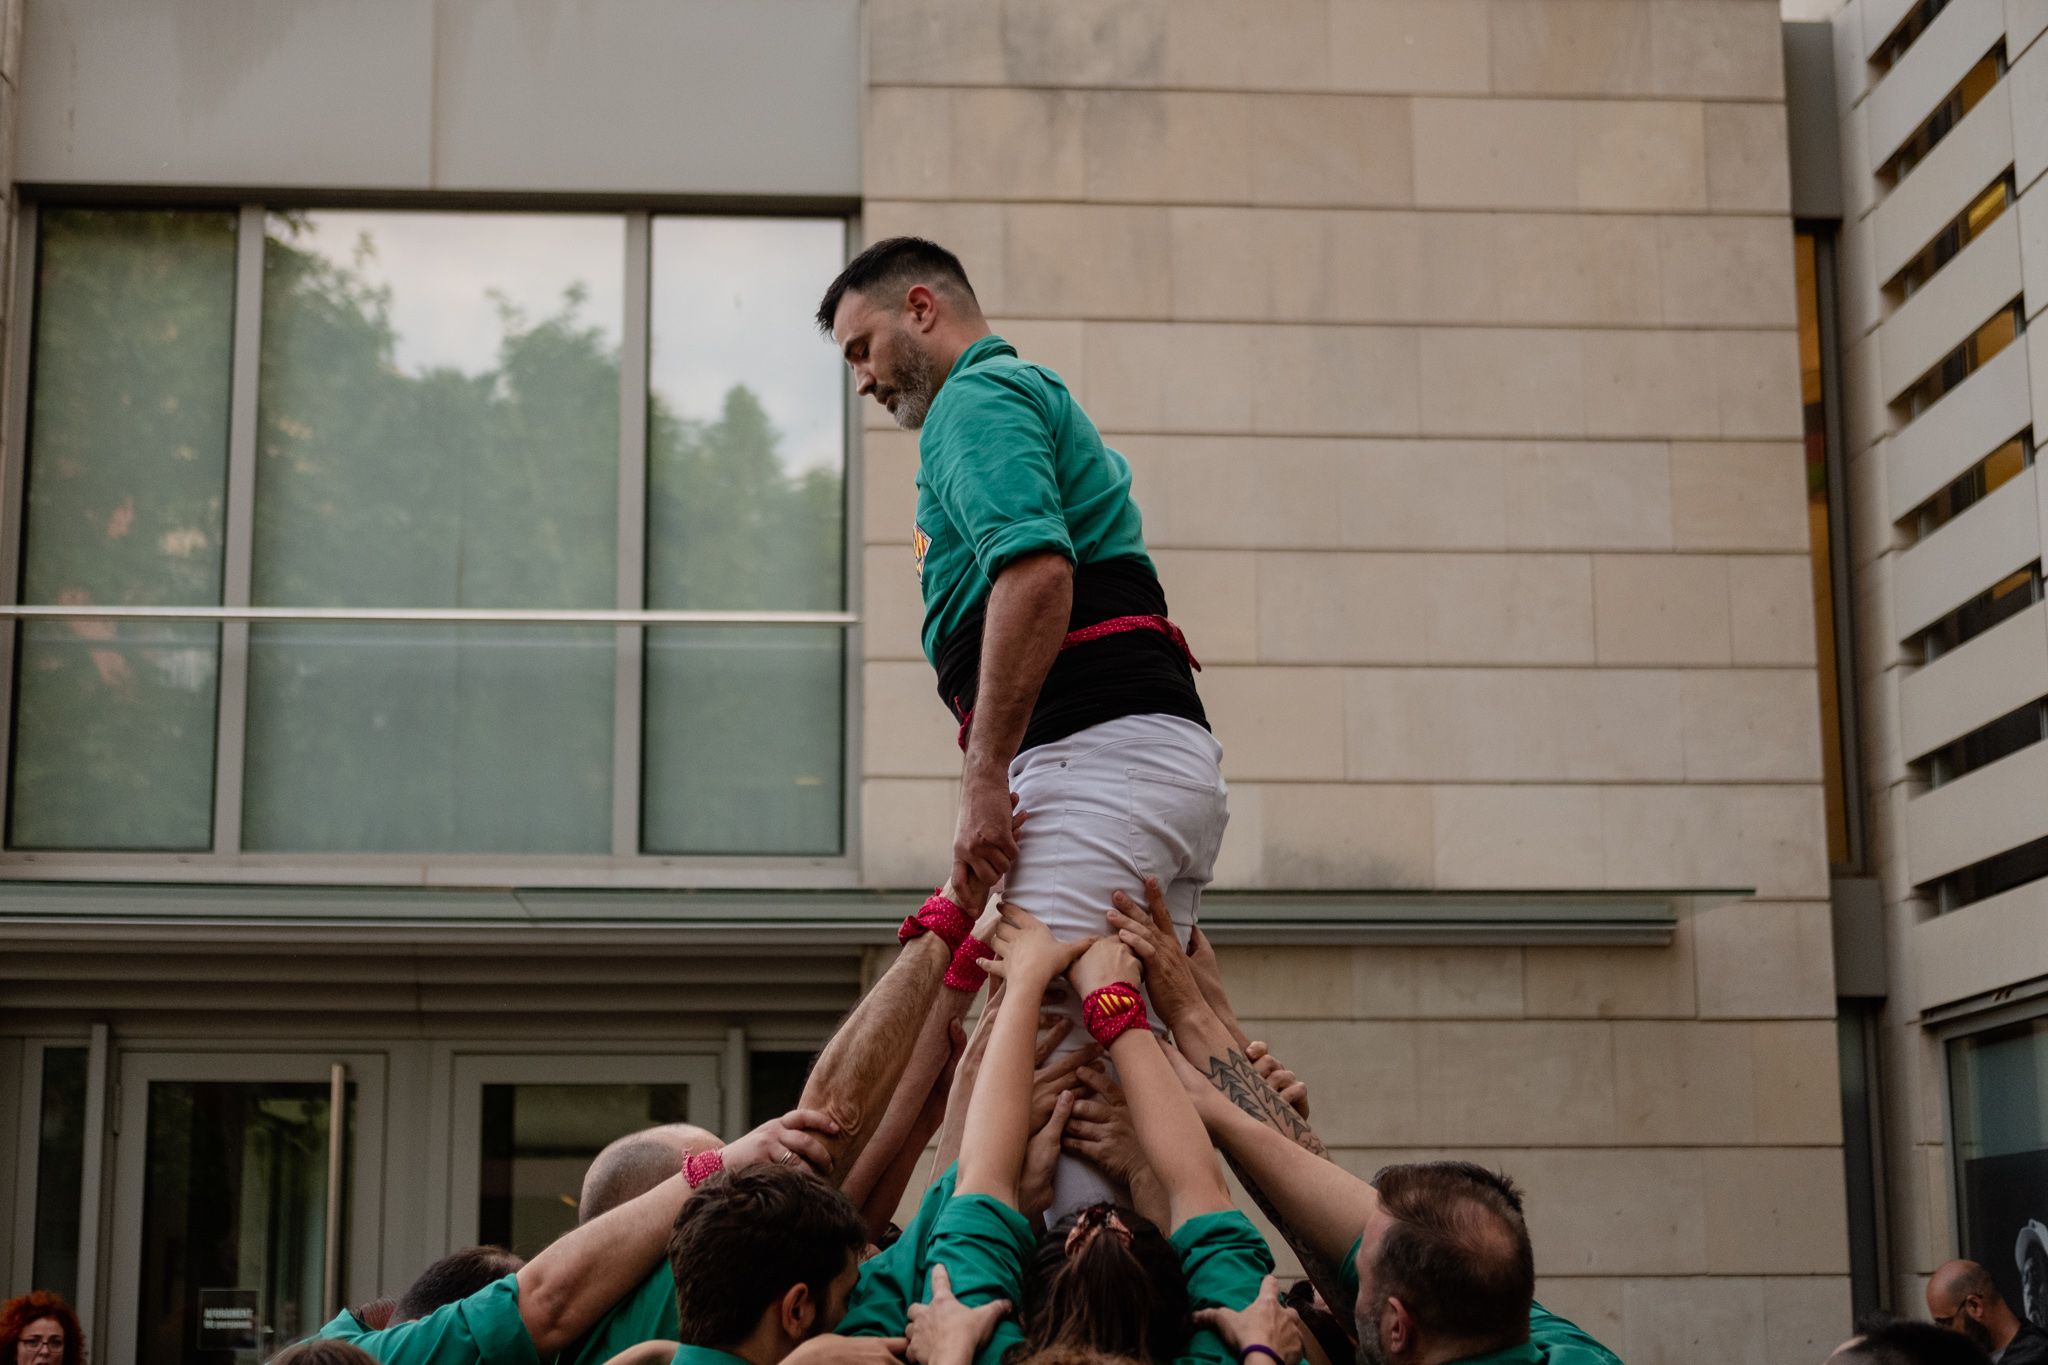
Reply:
x=1976, y=1332
x=1369, y=1349
x=914, y=385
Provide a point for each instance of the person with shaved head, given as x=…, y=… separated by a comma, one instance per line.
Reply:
x=1963, y=1297
x=634, y=1164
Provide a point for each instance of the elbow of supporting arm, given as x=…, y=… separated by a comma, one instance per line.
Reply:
x=542, y=1309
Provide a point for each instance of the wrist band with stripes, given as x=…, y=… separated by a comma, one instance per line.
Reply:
x=1112, y=1009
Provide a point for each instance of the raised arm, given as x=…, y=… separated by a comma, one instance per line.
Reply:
x=999, y=1116
x=860, y=1069
x=1319, y=1200
x=1170, y=1132
x=565, y=1289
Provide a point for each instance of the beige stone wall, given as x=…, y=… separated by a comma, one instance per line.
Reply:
x=1452, y=343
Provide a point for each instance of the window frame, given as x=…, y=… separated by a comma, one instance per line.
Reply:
x=625, y=864
x=1946, y=1030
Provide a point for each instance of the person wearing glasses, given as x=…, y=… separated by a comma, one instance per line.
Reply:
x=40, y=1329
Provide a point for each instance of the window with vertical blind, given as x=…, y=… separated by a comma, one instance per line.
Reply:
x=450, y=413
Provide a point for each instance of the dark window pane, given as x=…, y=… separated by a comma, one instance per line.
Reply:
x=537, y=1141
x=1999, y=1092
x=60, y=1170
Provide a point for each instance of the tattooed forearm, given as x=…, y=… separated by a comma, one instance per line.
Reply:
x=1243, y=1086
x=1320, y=1269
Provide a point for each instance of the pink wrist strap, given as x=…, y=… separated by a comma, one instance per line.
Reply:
x=699, y=1167
x=966, y=973
x=942, y=917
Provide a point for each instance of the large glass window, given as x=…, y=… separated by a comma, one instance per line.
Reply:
x=538, y=1140
x=434, y=424
x=1998, y=1082
x=1813, y=387
x=439, y=427
x=126, y=481
x=745, y=505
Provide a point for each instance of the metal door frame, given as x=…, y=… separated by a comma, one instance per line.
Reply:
x=136, y=1070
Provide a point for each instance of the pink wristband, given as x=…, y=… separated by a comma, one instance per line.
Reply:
x=1112, y=1009
x=699, y=1167
x=966, y=972
x=942, y=917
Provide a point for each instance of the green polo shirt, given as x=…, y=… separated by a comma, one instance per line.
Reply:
x=891, y=1279
x=1008, y=465
x=1226, y=1260
x=646, y=1314
x=1552, y=1340
x=984, y=1245
x=703, y=1355
x=483, y=1329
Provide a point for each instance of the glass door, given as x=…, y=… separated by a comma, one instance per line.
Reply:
x=526, y=1127
x=225, y=1218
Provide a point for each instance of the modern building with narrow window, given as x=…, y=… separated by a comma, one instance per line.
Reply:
x=459, y=642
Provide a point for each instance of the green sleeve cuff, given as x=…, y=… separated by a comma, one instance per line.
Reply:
x=1013, y=540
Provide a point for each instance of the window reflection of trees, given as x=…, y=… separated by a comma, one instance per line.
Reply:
x=380, y=487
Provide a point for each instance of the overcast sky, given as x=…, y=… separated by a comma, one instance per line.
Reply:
x=732, y=300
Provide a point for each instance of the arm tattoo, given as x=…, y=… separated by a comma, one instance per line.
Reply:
x=1320, y=1269
x=1244, y=1087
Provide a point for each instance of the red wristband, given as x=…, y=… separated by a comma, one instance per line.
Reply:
x=1112, y=1009
x=942, y=917
x=699, y=1167
x=966, y=973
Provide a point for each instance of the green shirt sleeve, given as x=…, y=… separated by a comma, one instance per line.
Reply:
x=646, y=1314
x=1348, y=1271
x=889, y=1280
x=483, y=1329
x=998, y=482
x=343, y=1326
x=1225, y=1260
x=1564, y=1343
x=984, y=1244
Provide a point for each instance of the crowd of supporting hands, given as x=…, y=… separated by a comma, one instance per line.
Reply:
x=1171, y=1274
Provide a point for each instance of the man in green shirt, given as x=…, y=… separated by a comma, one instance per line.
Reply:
x=1044, y=619
x=763, y=1264
x=559, y=1295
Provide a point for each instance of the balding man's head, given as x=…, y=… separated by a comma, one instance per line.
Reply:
x=1445, y=1263
x=1962, y=1296
x=636, y=1163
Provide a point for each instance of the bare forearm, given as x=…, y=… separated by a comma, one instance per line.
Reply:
x=1170, y=1132
x=881, y=1203
x=1315, y=1198
x=952, y=1131
x=998, y=1117
x=566, y=1288
x=859, y=1069
x=1028, y=610
x=899, y=1121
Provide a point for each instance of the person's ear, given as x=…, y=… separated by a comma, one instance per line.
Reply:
x=796, y=1311
x=923, y=307
x=1397, y=1329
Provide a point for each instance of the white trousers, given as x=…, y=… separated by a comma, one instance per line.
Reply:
x=1135, y=797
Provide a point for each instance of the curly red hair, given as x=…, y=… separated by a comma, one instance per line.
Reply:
x=17, y=1315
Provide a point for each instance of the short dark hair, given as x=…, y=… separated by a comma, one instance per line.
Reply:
x=1111, y=1297
x=894, y=263
x=455, y=1276
x=323, y=1351
x=1457, y=1252
x=1914, y=1343
x=745, y=1237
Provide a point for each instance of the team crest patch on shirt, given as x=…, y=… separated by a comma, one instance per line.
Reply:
x=919, y=543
